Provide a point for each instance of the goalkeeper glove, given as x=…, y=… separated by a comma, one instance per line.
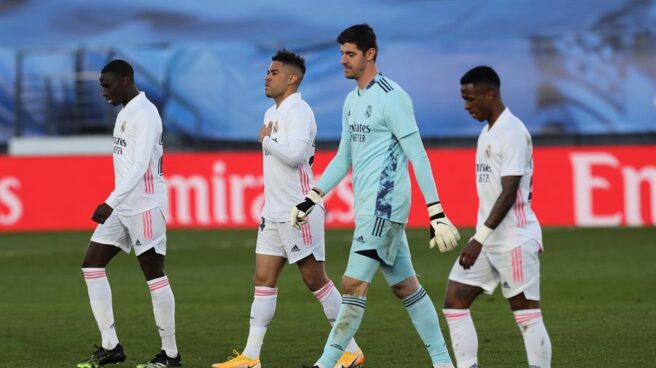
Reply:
x=302, y=210
x=442, y=232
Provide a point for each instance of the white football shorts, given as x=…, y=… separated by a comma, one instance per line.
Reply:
x=517, y=270
x=139, y=232
x=282, y=240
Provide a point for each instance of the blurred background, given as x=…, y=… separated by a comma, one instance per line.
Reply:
x=580, y=74
x=570, y=70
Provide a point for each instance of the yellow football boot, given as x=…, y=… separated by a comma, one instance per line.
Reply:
x=351, y=360
x=238, y=361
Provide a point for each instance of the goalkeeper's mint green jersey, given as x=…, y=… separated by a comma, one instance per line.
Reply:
x=373, y=122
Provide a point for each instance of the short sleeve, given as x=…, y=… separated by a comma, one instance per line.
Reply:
x=514, y=151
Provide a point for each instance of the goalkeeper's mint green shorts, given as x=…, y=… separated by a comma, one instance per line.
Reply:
x=390, y=244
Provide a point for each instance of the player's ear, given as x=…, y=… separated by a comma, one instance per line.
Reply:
x=293, y=78
x=370, y=54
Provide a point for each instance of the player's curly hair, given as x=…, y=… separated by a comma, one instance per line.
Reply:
x=287, y=57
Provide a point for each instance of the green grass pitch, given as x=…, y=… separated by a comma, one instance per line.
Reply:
x=598, y=292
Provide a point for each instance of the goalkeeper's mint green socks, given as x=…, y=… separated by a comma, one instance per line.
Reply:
x=424, y=318
x=347, y=324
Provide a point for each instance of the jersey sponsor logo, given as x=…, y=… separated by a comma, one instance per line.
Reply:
x=483, y=172
x=295, y=248
x=118, y=141
x=119, y=144
x=359, y=131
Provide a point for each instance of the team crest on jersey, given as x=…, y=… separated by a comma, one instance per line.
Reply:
x=488, y=151
x=123, y=126
x=367, y=113
x=275, y=127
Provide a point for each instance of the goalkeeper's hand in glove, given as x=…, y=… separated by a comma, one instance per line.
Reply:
x=303, y=209
x=442, y=232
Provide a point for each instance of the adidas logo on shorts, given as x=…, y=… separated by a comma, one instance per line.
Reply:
x=505, y=285
x=360, y=239
x=295, y=248
x=138, y=243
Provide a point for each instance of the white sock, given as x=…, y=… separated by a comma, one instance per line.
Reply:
x=100, y=298
x=262, y=310
x=463, y=337
x=331, y=301
x=536, y=339
x=164, y=311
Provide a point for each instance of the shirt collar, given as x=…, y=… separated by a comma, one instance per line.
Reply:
x=375, y=79
x=296, y=96
x=136, y=101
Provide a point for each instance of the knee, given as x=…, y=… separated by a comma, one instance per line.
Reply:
x=351, y=286
x=315, y=282
x=260, y=279
x=406, y=287
x=459, y=296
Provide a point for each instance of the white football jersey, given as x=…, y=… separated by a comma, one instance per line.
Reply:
x=288, y=155
x=506, y=150
x=138, y=182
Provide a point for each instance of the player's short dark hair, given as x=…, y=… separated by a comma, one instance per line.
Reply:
x=481, y=75
x=362, y=35
x=119, y=68
x=287, y=57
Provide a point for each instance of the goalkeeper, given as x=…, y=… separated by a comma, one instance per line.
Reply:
x=379, y=137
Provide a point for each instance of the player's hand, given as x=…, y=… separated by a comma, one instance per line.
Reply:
x=265, y=131
x=470, y=253
x=300, y=212
x=102, y=212
x=442, y=232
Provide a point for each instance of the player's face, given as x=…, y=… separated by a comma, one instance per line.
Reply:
x=478, y=101
x=113, y=89
x=353, y=60
x=277, y=80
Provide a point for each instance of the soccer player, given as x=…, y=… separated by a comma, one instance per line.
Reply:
x=132, y=217
x=287, y=138
x=508, y=238
x=379, y=137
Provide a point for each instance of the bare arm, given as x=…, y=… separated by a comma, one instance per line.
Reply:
x=505, y=201
x=503, y=204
